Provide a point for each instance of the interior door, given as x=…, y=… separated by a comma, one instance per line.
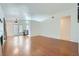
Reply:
x=65, y=27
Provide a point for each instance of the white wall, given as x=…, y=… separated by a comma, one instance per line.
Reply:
x=51, y=28
x=35, y=28
x=1, y=12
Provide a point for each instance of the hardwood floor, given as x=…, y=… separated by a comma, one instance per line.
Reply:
x=51, y=46
x=17, y=45
x=39, y=46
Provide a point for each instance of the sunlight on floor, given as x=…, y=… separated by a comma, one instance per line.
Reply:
x=16, y=51
x=16, y=41
x=22, y=43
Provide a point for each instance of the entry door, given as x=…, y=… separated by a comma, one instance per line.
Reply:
x=65, y=27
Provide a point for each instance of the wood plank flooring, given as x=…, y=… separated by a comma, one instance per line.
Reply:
x=39, y=46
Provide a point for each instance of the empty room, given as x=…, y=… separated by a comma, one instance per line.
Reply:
x=39, y=29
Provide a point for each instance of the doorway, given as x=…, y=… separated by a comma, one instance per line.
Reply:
x=65, y=25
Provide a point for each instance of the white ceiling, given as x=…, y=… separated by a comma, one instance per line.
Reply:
x=49, y=8
x=42, y=11
x=35, y=10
